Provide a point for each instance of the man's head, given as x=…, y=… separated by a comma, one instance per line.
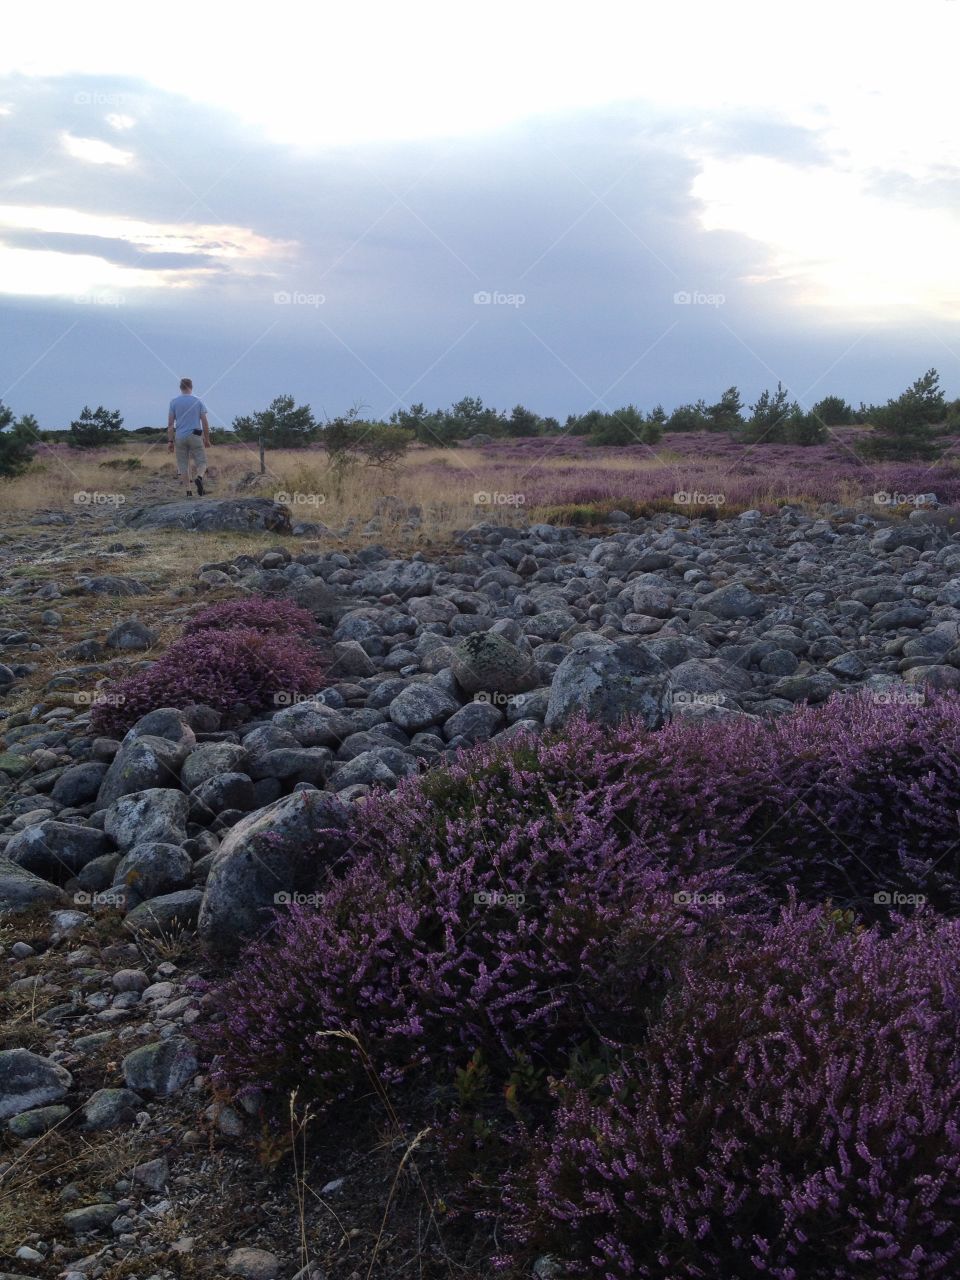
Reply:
x=186, y=385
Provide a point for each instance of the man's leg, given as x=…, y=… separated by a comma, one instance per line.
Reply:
x=181, y=450
x=199, y=463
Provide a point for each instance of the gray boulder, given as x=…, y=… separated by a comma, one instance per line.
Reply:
x=131, y=636
x=284, y=848
x=476, y=722
x=404, y=578
x=79, y=783
x=421, y=705
x=28, y=1081
x=816, y=687
x=156, y=814
x=20, y=890
x=31, y=1124
x=91, y=1217
x=212, y=515
x=732, y=601
x=56, y=850
x=710, y=675
x=486, y=662
x=380, y=766
x=110, y=1108
x=608, y=683
x=140, y=763
x=110, y=585
x=311, y=724
x=160, y=1069
x=166, y=913
x=350, y=659
x=896, y=536
x=153, y=868
x=210, y=760
x=299, y=764
x=227, y=791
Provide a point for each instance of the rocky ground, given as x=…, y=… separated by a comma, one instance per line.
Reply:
x=128, y=868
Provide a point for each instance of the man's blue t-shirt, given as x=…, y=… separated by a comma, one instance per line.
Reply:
x=186, y=411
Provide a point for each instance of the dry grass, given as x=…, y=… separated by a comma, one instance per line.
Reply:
x=442, y=482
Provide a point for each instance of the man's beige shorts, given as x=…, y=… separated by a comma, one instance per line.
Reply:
x=190, y=449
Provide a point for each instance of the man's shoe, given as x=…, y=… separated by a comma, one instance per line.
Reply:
x=199, y=483
x=189, y=493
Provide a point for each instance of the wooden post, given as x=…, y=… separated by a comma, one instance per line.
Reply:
x=263, y=465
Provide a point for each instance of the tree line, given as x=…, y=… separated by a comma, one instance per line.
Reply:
x=910, y=425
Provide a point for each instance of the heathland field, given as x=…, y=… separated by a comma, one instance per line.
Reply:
x=532, y=859
x=543, y=477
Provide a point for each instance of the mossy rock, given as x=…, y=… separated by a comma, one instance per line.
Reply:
x=13, y=765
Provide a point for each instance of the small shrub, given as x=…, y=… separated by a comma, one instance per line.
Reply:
x=792, y=1114
x=123, y=464
x=256, y=612
x=236, y=671
x=95, y=427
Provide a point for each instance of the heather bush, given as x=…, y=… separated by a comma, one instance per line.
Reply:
x=257, y=612
x=236, y=671
x=493, y=917
x=848, y=800
x=571, y=957
x=528, y=898
x=792, y=1114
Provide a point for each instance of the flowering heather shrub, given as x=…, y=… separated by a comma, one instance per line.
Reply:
x=258, y=612
x=845, y=800
x=580, y=844
x=224, y=669
x=572, y=946
x=647, y=477
x=521, y=928
x=793, y=1114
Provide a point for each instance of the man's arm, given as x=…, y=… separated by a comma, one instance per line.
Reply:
x=171, y=422
x=206, y=430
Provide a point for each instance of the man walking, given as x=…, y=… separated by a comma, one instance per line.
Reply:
x=188, y=435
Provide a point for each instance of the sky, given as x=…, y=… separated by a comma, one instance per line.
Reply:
x=552, y=204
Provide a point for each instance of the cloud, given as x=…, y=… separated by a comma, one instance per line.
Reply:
x=597, y=218
x=94, y=150
x=120, y=252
